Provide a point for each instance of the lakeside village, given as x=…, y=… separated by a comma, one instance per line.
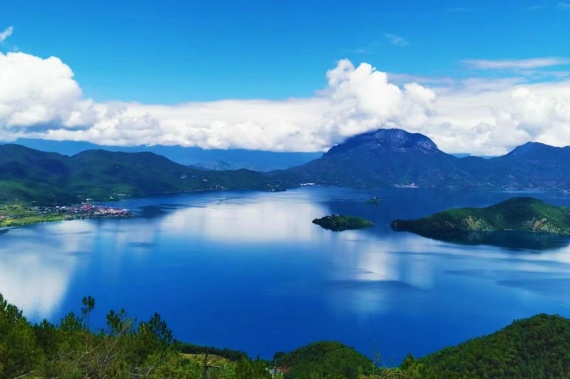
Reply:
x=19, y=214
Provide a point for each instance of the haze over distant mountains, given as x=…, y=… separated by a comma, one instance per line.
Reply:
x=214, y=159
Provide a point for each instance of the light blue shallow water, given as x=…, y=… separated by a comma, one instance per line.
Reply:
x=249, y=271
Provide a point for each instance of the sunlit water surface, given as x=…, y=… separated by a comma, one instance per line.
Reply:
x=249, y=271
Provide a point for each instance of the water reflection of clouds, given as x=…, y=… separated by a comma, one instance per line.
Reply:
x=37, y=263
x=372, y=277
x=247, y=221
x=34, y=283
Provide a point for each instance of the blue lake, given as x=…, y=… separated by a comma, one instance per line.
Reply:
x=249, y=271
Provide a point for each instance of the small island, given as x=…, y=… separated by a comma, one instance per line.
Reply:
x=338, y=223
x=519, y=214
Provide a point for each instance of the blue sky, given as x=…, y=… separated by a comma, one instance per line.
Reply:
x=176, y=51
x=172, y=52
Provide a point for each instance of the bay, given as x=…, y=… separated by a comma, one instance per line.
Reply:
x=249, y=271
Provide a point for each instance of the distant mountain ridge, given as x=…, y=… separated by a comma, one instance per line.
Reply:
x=396, y=158
x=189, y=156
x=31, y=175
x=385, y=158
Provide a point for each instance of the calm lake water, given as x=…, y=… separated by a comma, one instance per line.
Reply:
x=249, y=271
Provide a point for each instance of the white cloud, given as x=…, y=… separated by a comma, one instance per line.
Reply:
x=563, y=5
x=6, y=33
x=396, y=40
x=35, y=91
x=493, y=121
x=40, y=99
x=360, y=99
x=515, y=64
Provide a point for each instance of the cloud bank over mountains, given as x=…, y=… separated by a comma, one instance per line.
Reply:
x=39, y=98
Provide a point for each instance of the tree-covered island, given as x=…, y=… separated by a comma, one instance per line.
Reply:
x=519, y=214
x=338, y=223
x=18, y=214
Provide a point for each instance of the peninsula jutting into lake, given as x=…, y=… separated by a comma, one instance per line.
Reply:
x=519, y=214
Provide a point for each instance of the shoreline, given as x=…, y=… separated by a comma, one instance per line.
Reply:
x=15, y=215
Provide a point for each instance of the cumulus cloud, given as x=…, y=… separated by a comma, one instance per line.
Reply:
x=361, y=98
x=492, y=122
x=39, y=98
x=515, y=64
x=37, y=92
x=6, y=33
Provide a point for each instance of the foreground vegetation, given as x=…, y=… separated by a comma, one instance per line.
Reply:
x=538, y=347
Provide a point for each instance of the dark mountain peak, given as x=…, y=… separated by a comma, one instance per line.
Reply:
x=530, y=148
x=388, y=140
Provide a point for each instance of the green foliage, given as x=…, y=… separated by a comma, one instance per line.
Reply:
x=20, y=353
x=232, y=355
x=338, y=223
x=521, y=214
x=324, y=360
x=247, y=369
x=538, y=347
x=123, y=350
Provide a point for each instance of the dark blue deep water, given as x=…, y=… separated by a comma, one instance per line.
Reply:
x=249, y=271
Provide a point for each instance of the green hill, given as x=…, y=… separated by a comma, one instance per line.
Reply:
x=519, y=214
x=48, y=178
x=323, y=360
x=538, y=347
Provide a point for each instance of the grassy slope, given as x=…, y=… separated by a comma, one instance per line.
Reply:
x=523, y=214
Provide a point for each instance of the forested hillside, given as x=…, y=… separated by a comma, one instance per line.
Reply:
x=538, y=347
x=28, y=175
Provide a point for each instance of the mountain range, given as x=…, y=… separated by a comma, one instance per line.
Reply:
x=385, y=158
x=51, y=178
x=396, y=158
x=213, y=159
